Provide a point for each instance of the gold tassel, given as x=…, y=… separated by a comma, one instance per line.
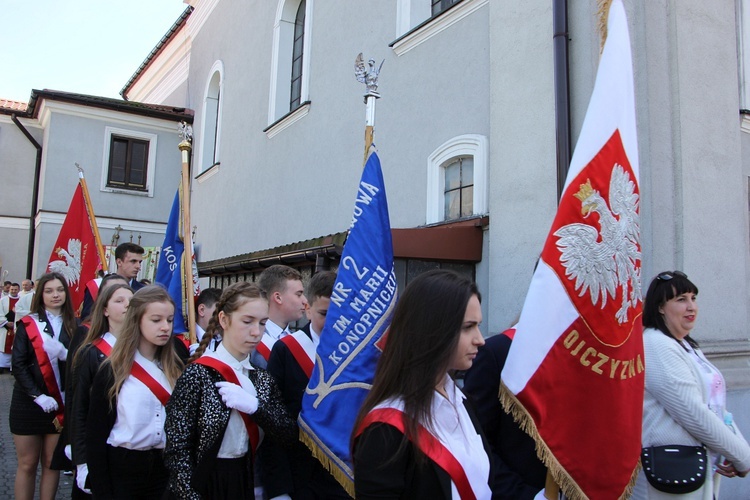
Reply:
x=336, y=472
x=602, y=15
x=567, y=484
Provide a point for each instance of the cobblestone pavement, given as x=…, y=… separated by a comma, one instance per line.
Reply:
x=8, y=451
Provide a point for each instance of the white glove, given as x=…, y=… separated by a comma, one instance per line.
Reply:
x=46, y=403
x=68, y=452
x=193, y=348
x=282, y=497
x=82, y=472
x=237, y=398
x=55, y=349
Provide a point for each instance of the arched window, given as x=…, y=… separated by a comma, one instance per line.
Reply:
x=290, y=67
x=457, y=179
x=211, y=123
x=298, y=49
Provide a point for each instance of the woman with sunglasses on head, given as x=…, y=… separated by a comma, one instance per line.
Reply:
x=685, y=397
x=415, y=436
x=36, y=409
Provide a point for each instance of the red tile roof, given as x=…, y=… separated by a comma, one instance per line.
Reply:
x=7, y=104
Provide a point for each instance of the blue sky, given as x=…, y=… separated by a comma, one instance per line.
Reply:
x=85, y=46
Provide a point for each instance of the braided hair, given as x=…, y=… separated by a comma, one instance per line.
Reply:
x=232, y=298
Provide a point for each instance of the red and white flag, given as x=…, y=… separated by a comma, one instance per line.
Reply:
x=574, y=374
x=75, y=254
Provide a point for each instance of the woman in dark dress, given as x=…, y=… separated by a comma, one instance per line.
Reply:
x=36, y=409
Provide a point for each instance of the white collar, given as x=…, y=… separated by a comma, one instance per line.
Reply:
x=274, y=330
x=223, y=355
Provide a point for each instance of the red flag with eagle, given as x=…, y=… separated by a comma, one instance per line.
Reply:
x=574, y=374
x=75, y=254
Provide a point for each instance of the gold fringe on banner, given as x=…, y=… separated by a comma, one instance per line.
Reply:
x=326, y=461
x=567, y=484
x=602, y=15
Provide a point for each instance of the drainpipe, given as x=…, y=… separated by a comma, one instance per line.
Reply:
x=562, y=90
x=34, y=196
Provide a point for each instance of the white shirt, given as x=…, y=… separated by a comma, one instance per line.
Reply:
x=275, y=331
x=235, y=442
x=454, y=429
x=56, y=322
x=140, y=415
x=315, y=337
x=199, y=332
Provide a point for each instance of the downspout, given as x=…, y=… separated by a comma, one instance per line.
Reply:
x=34, y=196
x=562, y=90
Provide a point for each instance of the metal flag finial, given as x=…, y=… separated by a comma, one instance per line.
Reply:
x=185, y=132
x=368, y=76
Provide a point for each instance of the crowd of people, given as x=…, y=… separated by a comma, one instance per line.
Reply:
x=138, y=412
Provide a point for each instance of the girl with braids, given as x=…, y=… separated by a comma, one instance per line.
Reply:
x=415, y=436
x=107, y=321
x=36, y=409
x=125, y=425
x=222, y=405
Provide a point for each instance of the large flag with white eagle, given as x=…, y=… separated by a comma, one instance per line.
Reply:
x=75, y=255
x=574, y=374
x=170, y=270
x=362, y=302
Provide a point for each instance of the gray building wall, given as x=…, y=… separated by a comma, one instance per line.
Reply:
x=17, y=173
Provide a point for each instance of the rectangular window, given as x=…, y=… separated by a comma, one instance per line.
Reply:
x=439, y=6
x=128, y=163
x=459, y=188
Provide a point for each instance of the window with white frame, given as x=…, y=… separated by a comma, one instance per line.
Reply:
x=457, y=179
x=211, y=124
x=128, y=161
x=291, y=58
x=419, y=20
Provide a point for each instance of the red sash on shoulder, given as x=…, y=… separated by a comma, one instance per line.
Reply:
x=45, y=366
x=300, y=356
x=228, y=374
x=93, y=288
x=103, y=346
x=428, y=444
x=155, y=387
x=263, y=350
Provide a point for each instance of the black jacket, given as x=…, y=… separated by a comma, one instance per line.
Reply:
x=385, y=470
x=89, y=360
x=518, y=473
x=197, y=419
x=295, y=469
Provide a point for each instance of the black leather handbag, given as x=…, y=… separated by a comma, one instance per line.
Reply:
x=675, y=468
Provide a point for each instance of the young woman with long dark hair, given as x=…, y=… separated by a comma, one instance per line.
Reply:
x=36, y=409
x=414, y=407
x=125, y=426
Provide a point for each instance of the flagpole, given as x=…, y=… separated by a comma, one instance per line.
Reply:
x=187, y=255
x=370, y=78
x=92, y=218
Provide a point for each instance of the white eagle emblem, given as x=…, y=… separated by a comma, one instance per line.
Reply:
x=603, y=261
x=70, y=268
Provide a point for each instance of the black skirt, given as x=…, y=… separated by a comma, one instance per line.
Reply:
x=26, y=418
x=230, y=479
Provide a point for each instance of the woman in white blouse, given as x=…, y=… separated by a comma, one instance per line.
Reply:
x=125, y=432
x=415, y=436
x=685, y=397
x=36, y=410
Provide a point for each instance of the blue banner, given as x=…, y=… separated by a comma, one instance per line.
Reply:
x=359, y=313
x=170, y=270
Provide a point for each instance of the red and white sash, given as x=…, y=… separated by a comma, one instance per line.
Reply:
x=428, y=444
x=103, y=346
x=302, y=348
x=265, y=345
x=149, y=381
x=93, y=288
x=45, y=366
x=228, y=374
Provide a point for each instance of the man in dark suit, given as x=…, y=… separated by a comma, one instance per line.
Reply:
x=517, y=472
x=128, y=257
x=295, y=472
